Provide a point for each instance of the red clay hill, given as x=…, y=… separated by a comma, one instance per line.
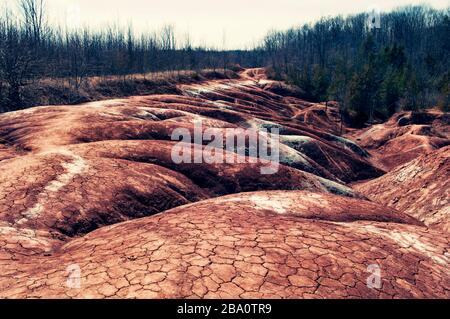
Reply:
x=94, y=188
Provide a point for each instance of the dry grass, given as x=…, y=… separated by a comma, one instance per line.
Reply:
x=62, y=91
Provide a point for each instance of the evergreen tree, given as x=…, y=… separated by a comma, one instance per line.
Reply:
x=444, y=92
x=320, y=84
x=412, y=90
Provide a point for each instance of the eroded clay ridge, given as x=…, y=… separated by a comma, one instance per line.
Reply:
x=68, y=172
x=404, y=137
x=72, y=169
x=419, y=188
x=246, y=246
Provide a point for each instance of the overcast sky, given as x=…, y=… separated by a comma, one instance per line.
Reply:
x=209, y=22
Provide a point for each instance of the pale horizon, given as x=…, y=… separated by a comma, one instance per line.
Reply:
x=230, y=25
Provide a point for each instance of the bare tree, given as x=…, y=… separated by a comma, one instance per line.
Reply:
x=34, y=18
x=15, y=60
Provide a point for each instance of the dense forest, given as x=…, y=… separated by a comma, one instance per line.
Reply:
x=401, y=64
x=371, y=70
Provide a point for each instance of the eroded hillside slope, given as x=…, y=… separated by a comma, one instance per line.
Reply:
x=95, y=187
x=419, y=188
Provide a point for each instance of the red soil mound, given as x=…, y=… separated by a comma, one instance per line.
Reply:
x=75, y=190
x=257, y=245
x=419, y=188
x=404, y=137
x=155, y=118
x=74, y=181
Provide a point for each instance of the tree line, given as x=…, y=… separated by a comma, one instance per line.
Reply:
x=402, y=63
x=371, y=70
x=31, y=49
